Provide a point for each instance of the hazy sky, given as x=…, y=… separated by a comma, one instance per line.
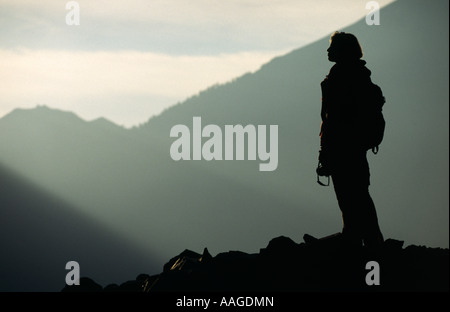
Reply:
x=128, y=60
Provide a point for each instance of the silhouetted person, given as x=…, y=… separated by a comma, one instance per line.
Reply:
x=343, y=154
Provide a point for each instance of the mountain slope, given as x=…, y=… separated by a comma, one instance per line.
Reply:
x=40, y=233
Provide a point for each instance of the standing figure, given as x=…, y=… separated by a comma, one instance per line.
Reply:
x=343, y=146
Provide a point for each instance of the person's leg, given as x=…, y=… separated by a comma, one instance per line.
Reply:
x=351, y=180
x=371, y=230
x=359, y=217
x=348, y=204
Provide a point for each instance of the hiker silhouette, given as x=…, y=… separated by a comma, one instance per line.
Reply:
x=343, y=152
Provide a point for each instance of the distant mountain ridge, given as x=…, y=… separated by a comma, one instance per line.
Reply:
x=43, y=113
x=124, y=179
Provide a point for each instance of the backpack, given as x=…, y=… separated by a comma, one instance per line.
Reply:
x=372, y=122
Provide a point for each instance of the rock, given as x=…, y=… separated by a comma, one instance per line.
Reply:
x=319, y=264
x=206, y=256
x=179, y=261
x=86, y=285
x=111, y=288
x=131, y=286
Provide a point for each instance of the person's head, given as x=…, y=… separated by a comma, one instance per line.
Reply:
x=344, y=47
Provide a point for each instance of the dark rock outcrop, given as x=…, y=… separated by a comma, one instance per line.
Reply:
x=86, y=285
x=325, y=264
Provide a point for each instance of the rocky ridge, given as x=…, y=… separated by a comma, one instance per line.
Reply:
x=314, y=265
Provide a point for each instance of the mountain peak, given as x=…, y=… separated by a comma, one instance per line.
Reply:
x=43, y=115
x=40, y=113
x=104, y=123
